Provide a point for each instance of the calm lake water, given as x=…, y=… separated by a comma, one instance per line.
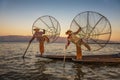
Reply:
x=13, y=67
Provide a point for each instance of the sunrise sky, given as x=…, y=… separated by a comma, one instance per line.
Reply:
x=17, y=16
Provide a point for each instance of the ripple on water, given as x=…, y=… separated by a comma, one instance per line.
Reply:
x=13, y=67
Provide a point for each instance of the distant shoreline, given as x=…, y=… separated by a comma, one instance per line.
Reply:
x=36, y=42
x=19, y=38
x=16, y=38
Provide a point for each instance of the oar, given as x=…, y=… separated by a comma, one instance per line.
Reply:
x=26, y=49
x=64, y=58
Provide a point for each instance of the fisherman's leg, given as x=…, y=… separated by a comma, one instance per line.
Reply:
x=41, y=47
x=86, y=45
x=78, y=52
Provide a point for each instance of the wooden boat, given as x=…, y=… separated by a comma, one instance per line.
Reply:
x=113, y=58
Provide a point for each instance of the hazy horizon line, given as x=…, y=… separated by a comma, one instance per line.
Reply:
x=59, y=36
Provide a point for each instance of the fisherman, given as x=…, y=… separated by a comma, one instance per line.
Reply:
x=72, y=37
x=41, y=38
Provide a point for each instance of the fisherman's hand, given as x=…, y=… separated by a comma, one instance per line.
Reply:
x=43, y=31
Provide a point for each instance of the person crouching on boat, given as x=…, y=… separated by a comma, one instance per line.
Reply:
x=41, y=38
x=77, y=41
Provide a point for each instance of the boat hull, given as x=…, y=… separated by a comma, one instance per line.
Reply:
x=87, y=59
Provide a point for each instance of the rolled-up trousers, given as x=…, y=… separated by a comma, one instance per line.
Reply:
x=79, y=50
x=41, y=47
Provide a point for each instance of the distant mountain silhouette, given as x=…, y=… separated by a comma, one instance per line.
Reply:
x=14, y=38
x=17, y=38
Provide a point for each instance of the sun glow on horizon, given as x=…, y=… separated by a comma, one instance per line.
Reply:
x=18, y=16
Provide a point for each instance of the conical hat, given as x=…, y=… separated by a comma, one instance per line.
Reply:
x=68, y=31
x=36, y=28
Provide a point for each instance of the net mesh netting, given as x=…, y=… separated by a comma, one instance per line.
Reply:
x=51, y=26
x=96, y=29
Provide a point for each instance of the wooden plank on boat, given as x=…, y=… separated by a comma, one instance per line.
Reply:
x=98, y=60
x=59, y=57
x=88, y=58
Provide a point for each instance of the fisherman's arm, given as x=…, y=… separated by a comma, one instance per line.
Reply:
x=78, y=31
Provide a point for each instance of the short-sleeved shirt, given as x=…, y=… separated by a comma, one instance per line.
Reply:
x=73, y=38
x=38, y=35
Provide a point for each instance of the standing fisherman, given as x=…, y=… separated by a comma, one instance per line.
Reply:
x=77, y=41
x=41, y=38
